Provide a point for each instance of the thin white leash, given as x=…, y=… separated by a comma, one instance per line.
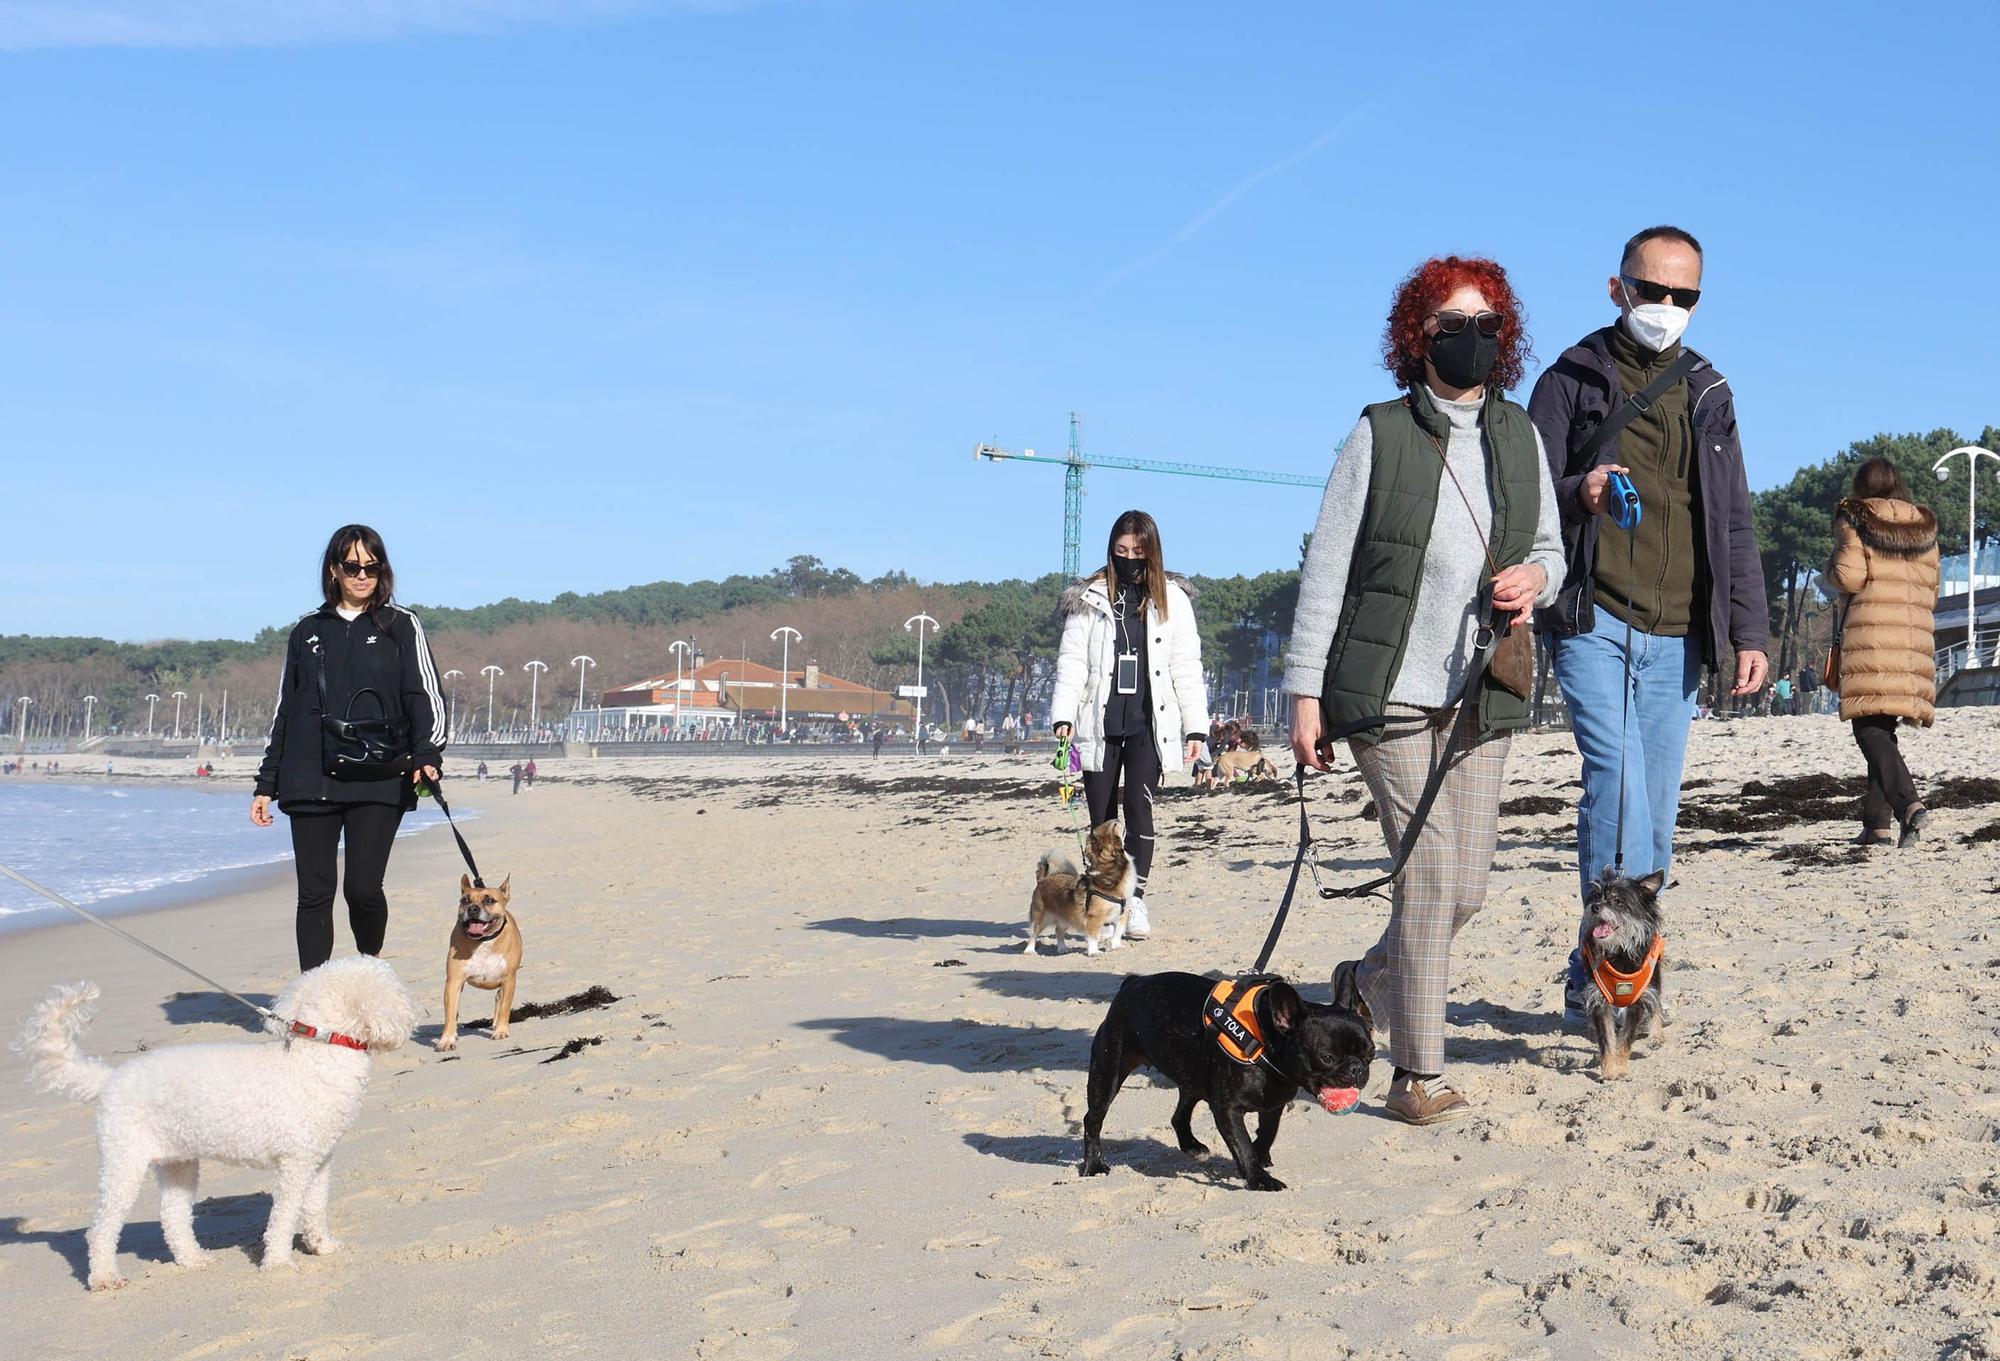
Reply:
x=272, y=1021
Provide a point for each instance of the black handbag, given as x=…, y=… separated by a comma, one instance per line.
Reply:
x=353, y=749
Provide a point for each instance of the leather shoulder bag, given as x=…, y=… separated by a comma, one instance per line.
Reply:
x=355, y=749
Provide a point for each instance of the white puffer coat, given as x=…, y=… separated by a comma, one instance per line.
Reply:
x=1089, y=656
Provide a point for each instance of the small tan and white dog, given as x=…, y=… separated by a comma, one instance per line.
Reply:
x=283, y=1105
x=485, y=951
x=1092, y=902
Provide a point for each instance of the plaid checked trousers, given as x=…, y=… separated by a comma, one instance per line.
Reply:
x=1405, y=975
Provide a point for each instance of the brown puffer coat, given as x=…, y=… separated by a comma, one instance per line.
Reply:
x=1885, y=558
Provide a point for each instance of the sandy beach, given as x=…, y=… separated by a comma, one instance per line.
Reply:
x=835, y=1110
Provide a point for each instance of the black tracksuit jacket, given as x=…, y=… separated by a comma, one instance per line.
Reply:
x=382, y=650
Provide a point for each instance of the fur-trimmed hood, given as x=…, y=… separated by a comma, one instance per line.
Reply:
x=1888, y=525
x=1074, y=596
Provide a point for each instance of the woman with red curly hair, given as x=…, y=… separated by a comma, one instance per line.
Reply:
x=1432, y=492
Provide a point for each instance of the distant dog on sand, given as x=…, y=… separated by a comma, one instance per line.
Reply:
x=1158, y=1020
x=485, y=951
x=1090, y=902
x=282, y=1105
x=1245, y=762
x=1626, y=957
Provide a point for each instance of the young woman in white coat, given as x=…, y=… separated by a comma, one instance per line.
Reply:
x=1129, y=688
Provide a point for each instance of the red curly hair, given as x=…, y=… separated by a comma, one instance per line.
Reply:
x=1404, y=343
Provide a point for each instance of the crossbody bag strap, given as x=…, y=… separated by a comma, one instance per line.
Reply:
x=1636, y=405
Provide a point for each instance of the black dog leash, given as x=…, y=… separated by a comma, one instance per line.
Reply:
x=463, y=849
x=1466, y=723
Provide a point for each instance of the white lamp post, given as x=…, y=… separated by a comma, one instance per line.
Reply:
x=151, y=700
x=1973, y=453
x=179, y=695
x=582, y=665
x=21, y=706
x=451, y=705
x=919, y=620
x=785, y=676
x=534, y=670
x=89, y=707
x=680, y=651
x=490, y=671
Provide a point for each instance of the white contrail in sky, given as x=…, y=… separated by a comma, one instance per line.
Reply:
x=1238, y=190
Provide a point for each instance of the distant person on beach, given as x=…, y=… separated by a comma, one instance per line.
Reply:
x=482, y=772
x=515, y=771
x=881, y=736
x=1885, y=563
x=362, y=656
x=528, y=772
x=1431, y=493
x=1129, y=688
x=1641, y=613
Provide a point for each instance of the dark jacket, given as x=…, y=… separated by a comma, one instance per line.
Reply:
x=384, y=651
x=1571, y=398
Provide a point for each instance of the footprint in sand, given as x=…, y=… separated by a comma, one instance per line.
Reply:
x=789, y=1173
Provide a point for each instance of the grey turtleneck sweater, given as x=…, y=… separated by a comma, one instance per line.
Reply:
x=1446, y=616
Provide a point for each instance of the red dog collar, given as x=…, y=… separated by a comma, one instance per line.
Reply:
x=308, y=1032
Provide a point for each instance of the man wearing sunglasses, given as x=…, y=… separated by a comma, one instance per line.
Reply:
x=1651, y=606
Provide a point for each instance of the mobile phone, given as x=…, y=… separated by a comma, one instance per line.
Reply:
x=1128, y=673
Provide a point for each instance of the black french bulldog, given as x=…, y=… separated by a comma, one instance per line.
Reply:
x=1157, y=1019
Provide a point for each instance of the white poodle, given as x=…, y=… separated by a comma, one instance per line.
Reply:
x=282, y=1105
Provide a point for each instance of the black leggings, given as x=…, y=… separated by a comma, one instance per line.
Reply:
x=1139, y=760
x=371, y=831
x=1891, y=791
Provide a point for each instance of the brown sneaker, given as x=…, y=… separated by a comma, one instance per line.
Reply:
x=1414, y=1103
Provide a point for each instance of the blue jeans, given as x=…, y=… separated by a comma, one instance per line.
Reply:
x=1638, y=736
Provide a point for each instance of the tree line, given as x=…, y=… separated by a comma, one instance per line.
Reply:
x=995, y=655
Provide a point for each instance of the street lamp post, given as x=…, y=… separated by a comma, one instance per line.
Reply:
x=151, y=700
x=785, y=677
x=680, y=651
x=1973, y=453
x=490, y=671
x=919, y=620
x=179, y=695
x=451, y=704
x=21, y=706
x=89, y=707
x=534, y=670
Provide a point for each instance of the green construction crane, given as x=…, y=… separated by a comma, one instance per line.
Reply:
x=1074, y=463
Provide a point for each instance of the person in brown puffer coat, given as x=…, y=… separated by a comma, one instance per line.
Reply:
x=1885, y=562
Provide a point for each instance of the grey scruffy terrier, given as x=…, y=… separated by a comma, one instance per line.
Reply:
x=1624, y=953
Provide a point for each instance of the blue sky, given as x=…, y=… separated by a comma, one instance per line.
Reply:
x=572, y=296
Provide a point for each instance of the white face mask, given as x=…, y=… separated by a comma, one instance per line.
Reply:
x=1655, y=325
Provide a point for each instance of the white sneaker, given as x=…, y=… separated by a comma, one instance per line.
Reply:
x=1137, y=927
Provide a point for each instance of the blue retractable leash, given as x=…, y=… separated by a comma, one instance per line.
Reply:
x=1626, y=512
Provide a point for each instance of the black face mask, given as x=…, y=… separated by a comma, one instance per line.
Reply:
x=1131, y=571
x=1465, y=360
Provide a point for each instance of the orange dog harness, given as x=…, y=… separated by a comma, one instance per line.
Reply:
x=1230, y=1015
x=1623, y=989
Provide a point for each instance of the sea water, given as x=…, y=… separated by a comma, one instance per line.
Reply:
x=127, y=847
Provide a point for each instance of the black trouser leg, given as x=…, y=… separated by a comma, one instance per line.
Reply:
x=315, y=850
x=371, y=833
x=1891, y=791
x=1139, y=763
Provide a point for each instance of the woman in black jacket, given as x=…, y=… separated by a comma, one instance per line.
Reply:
x=361, y=656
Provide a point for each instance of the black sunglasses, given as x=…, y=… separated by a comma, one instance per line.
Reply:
x=1451, y=323
x=1652, y=292
x=350, y=568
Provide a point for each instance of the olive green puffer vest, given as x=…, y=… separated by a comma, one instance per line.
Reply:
x=1387, y=568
